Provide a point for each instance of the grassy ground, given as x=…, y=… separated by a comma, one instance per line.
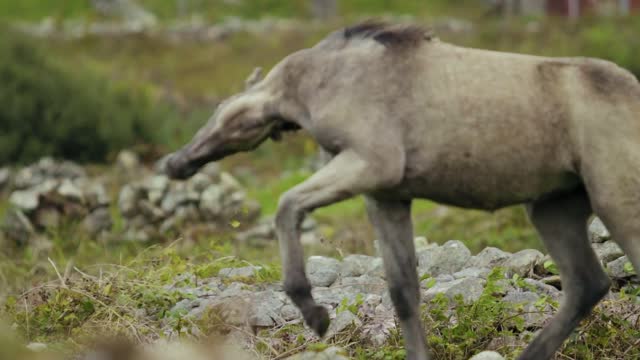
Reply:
x=192, y=78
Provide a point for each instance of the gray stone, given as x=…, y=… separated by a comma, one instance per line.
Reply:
x=229, y=183
x=364, y=284
x=266, y=309
x=607, y=251
x=481, y=273
x=322, y=271
x=17, y=227
x=46, y=218
x=488, y=258
x=332, y=353
x=523, y=261
x=95, y=195
x=356, y=265
x=377, y=269
x=470, y=288
x=70, y=191
x=156, y=187
x=446, y=259
x=525, y=301
x=173, y=199
x=128, y=200
x=212, y=170
x=211, y=201
x=25, y=200
x=242, y=272
x=37, y=347
x=421, y=242
x=598, y=233
x=545, y=289
x=342, y=321
x=487, y=355
x=98, y=221
x=5, y=177
x=199, y=182
x=616, y=268
x=128, y=161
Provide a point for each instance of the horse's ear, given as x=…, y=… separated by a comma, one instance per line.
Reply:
x=254, y=78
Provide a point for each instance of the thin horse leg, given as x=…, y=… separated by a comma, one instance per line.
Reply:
x=561, y=222
x=344, y=176
x=394, y=230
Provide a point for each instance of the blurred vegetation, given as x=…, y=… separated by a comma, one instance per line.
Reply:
x=50, y=109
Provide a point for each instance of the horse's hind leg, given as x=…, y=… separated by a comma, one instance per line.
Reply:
x=561, y=222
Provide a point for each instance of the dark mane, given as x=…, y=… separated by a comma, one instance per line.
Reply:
x=390, y=35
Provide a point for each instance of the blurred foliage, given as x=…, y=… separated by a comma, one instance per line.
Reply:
x=49, y=109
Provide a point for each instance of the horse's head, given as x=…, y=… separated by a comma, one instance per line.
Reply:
x=240, y=123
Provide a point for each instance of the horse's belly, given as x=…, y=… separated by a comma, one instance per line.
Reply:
x=488, y=187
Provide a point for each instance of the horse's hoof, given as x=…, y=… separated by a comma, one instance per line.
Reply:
x=318, y=320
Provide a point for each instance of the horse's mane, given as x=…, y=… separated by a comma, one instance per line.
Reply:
x=390, y=35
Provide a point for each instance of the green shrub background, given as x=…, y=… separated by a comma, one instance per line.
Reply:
x=50, y=109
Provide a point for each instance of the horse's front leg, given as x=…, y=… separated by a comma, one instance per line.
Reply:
x=346, y=175
x=394, y=231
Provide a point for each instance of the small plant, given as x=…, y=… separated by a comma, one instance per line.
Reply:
x=346, y=305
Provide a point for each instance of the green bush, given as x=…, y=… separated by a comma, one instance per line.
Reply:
x=47, y=109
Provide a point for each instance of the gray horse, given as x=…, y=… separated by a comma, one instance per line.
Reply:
x=407, y=116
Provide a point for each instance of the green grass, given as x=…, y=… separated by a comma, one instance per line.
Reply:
x=217, y=10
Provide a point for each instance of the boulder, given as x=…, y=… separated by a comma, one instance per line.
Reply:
x=598, y=233
x=446, y=259
x=523, y=262
x=470, y=288
x=322, y=271
x=488, y=258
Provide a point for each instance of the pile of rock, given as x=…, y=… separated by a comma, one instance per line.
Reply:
x=449, y=269
x=156, y=205
x=48, y=194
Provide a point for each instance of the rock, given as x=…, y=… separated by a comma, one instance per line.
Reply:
x=5, y=177
x=545, y=289
x=598, y=233
x=488, y=258
x=481, y=273
x=356, y=265
x=342, y=321
x=199, y=182
x=46, y=218
x=260, y=232
x=607, y=251
x=25, y=200
x=17, y=227
x=470, y=288
x=128, y=161
x=446, y=259
x=523, y=261
x=229, y=183
x=526, y=301
x=265, y=309
x=487, y=355
x=377, y=269
x=322, y=271
x=332, y=353
x=242, y=272
x=211, y=201
x=95, y=195
x=212, y=170
x=37, y=347
x=156, y=187
x=70, y=191
x=98, y=221
x=421, y=242
x=618, y=269
x=128, y=200
x=364, y=284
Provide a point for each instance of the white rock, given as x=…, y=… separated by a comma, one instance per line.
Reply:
x=487, y=355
